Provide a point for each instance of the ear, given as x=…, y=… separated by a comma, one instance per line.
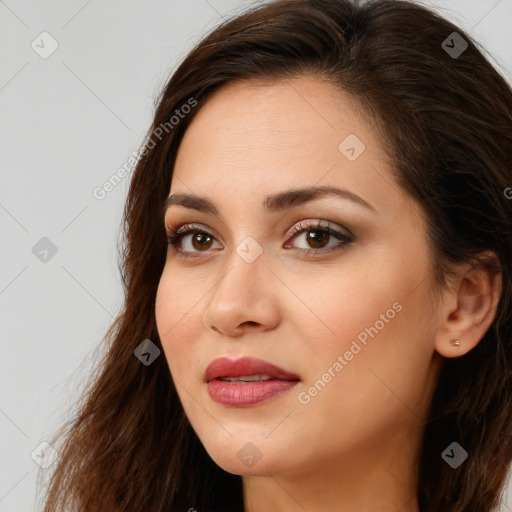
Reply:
x=468, y=309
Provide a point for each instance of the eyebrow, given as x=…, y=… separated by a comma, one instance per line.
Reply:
x=274, y=203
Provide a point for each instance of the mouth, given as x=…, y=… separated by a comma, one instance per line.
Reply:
x=244, y=379
x=246, y=369
x=247, y=381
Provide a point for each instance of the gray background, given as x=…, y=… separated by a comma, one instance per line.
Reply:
x=68, y=122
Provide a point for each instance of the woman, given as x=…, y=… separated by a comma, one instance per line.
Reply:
x=317, y=275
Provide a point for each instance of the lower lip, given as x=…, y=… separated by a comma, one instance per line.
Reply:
x=244, y=395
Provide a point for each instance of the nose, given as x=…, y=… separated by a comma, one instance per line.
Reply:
x=243, y=299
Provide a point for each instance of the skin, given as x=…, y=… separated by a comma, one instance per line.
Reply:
x=355, y=445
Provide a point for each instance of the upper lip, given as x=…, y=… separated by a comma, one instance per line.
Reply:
x=225, y=367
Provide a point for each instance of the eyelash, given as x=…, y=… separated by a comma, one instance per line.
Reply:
x=175, y=235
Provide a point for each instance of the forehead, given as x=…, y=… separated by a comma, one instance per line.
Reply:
x=253, y=138
x=279, y=111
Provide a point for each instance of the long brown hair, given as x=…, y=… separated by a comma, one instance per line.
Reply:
x=445, y=114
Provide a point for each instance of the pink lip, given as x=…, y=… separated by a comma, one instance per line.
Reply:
x=225, y=367
x=246, y=394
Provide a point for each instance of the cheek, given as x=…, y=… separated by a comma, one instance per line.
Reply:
x=374, y=317
x=176, y=314
x=376, y=321
x=333, y=307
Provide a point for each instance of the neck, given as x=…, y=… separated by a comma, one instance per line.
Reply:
x=381, y=481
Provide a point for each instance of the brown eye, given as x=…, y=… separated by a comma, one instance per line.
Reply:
x=189, y=240
x=317, y=239
x=201, y=241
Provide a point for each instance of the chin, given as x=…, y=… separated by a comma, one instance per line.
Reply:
x=237, y=467
x=246, y=459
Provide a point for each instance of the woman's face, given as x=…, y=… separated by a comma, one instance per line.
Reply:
x=348, y=313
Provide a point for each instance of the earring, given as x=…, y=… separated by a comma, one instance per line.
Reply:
x=455, y=343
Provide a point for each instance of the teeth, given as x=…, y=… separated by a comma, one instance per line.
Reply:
x=247, y=378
